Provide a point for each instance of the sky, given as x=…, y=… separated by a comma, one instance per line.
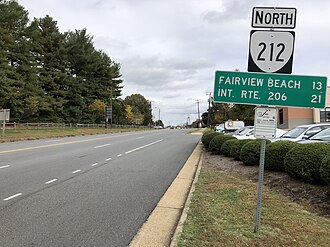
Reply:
x=169, y=50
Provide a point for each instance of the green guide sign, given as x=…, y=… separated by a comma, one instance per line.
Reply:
x=270, y=89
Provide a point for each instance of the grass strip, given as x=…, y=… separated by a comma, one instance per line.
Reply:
x=222, y=213
x=33, y=134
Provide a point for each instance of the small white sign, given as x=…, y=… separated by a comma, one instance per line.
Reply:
x=273, y=17
x=272, y=50
x=265, y=122
x=4, y=114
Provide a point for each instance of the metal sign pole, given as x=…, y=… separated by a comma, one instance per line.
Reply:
x=260, y=183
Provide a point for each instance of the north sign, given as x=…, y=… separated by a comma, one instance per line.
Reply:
x=270, y=89
x=273, y=17
x=271, y=51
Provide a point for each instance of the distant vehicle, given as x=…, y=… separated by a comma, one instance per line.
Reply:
x=302, y=132
x=158, y=127
x=249, y=134
x=321, y=136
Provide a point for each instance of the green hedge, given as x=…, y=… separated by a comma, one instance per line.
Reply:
x=236, y=147
x=250, y=152
x=226, y=147
x=235, y=150
x=275, y=154
x=304, y=161
x=325, y=169
x=217, y=141
x=207, y=138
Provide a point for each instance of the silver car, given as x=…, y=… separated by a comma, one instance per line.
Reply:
x=322, y=136
x=303, y=132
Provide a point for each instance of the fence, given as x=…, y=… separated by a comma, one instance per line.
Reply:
x=64, y=125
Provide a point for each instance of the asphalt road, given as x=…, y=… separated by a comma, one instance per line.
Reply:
x=86, y=191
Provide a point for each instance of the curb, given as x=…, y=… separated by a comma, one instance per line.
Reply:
x=165, y=223
x=179, y=228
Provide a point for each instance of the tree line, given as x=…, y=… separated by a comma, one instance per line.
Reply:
x=50, y=76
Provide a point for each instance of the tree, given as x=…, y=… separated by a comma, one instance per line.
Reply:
x=13, y=55
x=141, y=106
x=50, y=56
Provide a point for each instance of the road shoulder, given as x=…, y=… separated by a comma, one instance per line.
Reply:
x=168, y=216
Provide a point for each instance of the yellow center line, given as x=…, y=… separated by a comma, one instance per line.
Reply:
x=58, y=144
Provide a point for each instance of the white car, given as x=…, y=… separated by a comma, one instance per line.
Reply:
x=322, y=136
x=302, y=132
x=250, y=134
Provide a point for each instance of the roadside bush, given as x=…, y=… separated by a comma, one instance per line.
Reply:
x=275, y=154
x=235, y=150
x=207, y=139
x=226, y=147
x=216, y=143
x=304, y=161
x=236, y=147
x=250, y=152
x=325, y=169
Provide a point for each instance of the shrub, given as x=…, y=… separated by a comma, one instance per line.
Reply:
x=226, y=147
x=207, y=139
x=250, y=152
x=303, y=161
x=325, y=169
x=235, y=150
x=216, y=143
x=275, y=154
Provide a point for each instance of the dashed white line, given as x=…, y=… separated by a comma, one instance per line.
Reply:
x=4, y=166
x=101, y=146
x=136, y=149
x=119, y=155
x=95, y=164
x=51, y=181
x=141, y=137
x=108, y=159
x=12, y=197
x=76, y=171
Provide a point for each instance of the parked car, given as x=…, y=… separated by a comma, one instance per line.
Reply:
x=302, y=132
x=322, y=136
x=250, y=134
x=241, y=131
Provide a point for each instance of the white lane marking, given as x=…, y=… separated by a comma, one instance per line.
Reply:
x=101, y=146
x=76, y=171
x=136, y=149
x=55, y=140
x=11, y=197
x=95, y=164
x=119, y=155
x=51, y=181
x=141, y=137
x=108, y=159
x=4, y=166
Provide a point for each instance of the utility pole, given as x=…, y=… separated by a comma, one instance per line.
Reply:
x=209, y=111
x=198, y=118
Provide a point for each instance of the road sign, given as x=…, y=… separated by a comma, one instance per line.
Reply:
x=271, y=51
x=108, y=112
x=270, y=89
x=4, y=114
x=273, y=17
x=265, y=122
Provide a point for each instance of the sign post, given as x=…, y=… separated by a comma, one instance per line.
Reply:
x=108, y=114
x=4, y=116
x=264, y=127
